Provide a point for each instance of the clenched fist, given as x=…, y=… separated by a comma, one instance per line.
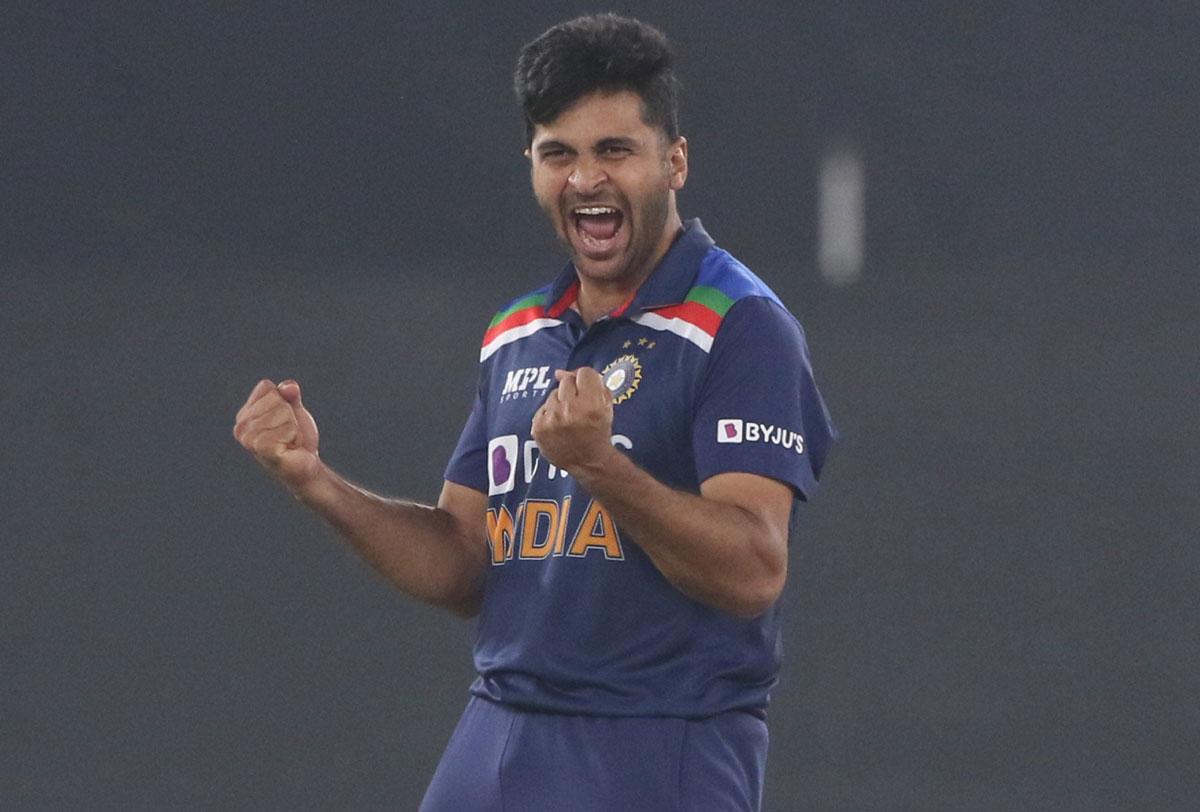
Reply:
x=573, y=427
x=275, y=427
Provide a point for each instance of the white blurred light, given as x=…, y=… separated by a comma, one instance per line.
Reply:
x=841, y=224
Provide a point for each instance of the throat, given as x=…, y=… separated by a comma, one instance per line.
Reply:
x=592, y=305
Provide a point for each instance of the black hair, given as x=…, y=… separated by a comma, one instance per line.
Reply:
x=603, y=52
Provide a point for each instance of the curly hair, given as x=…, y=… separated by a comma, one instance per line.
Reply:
x=602, y=52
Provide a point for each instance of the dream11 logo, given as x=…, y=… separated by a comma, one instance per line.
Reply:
x=505, y=452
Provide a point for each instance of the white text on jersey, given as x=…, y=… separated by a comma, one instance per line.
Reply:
x=517, y=382
x=736, y=430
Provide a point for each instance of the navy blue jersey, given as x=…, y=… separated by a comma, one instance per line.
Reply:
x=709, y=374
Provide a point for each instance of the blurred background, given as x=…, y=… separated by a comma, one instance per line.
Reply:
x=985, y=215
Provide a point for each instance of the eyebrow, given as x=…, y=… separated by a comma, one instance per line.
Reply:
x=601, y=145
x=615, y=141
x=546, y=146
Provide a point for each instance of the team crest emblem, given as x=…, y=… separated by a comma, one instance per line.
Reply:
x=622, y=377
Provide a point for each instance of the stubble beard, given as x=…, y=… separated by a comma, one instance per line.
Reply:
x=648, y=227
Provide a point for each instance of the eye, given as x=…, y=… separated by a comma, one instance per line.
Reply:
x=553, y=155
x=615, y=151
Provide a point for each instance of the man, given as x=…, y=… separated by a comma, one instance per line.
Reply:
x=617, y=509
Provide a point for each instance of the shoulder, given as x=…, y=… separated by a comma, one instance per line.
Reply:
x=724, y=292
x=738, y=291
x=529, y=303
x=518, y=318
x=738, y=304
x=722, y=273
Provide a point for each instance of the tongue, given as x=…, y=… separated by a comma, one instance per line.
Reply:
x=599, y=226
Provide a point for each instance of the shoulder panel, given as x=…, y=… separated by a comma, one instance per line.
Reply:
x=521, y=317
x=721, y=281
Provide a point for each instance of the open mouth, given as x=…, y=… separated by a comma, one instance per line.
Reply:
x=597, y=227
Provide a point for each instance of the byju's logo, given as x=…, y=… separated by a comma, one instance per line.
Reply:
x=729, y=430
x=735, y=430
x=502, y=464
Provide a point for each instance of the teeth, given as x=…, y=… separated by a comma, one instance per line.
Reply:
x=596, y=210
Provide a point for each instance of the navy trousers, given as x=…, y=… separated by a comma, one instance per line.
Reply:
x=501, y=759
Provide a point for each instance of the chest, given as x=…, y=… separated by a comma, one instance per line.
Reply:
x=654, y=378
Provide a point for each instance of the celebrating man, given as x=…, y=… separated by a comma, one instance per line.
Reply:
x=617, y=508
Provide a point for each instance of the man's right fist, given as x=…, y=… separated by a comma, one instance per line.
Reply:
x=281, y=434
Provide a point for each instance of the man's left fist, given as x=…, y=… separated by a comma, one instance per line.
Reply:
x=573, y=426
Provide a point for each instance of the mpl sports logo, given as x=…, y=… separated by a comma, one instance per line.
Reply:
x=737, y=430
x=523, y=383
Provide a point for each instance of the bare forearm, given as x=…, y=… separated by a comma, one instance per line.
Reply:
x=717, y=553
x=422, y=549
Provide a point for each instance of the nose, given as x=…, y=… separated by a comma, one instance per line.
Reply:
x=587, y=177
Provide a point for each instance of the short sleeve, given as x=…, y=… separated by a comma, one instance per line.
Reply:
x=759, y=410
x=468, y=463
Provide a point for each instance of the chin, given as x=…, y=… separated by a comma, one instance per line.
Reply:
x=607, y=270
x=612, y=267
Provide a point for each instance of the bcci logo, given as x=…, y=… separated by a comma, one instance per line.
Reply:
x=622, y=377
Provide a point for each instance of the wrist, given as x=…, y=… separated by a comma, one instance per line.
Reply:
x=318, y=485
x=600, y=468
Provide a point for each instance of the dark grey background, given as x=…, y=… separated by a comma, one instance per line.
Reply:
x=993, y=603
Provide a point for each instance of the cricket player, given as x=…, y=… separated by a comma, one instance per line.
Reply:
x=616, y=512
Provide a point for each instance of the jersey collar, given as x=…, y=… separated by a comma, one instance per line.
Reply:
x=668, y=284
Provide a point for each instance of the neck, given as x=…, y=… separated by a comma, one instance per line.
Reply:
x=598, y=297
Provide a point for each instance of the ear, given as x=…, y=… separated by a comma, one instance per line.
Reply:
x=677, y=158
